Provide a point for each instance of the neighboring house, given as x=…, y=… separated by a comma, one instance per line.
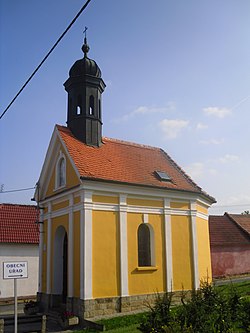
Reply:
x=19, y=239
x=230, y=244
x=121, y=221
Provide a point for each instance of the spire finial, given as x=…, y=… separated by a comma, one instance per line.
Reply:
x=85, y=47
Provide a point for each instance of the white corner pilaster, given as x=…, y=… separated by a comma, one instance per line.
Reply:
x=193, y=213
x=49, y=240
x=41, y=241
x=86, y=246
x=71, y=248
x=168, y=245
x=123, y=244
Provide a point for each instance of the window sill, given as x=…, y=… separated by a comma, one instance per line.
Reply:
x=147, y=268
x=59, y=188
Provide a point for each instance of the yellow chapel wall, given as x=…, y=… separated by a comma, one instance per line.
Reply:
x=204, y=254
x=106, y=262
x=181, y=253
x=148, y=280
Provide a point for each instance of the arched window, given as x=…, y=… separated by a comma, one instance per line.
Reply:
x=61, y=171
x=78, y=110
x=91, y=105
x=79, y=105
x=144, y=246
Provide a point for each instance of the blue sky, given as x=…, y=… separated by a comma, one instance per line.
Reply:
x=177, y=75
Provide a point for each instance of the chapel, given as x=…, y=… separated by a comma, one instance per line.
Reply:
x=120, y=221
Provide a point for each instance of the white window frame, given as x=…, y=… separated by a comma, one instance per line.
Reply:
x=152, y=245
x=60, y=174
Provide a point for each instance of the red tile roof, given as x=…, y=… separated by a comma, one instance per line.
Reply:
x=224, y=231
x=126, y=162
x=243, y=220
x=17, y=224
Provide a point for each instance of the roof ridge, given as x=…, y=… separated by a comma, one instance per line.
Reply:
x=230, y=216
x=120, y=141
x=13, y=204
x=130, y=143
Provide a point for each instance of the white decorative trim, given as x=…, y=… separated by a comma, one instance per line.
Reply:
x=202, y=216
x=49, y=240
x=82, y=253
x=152, y=245
x=123, y=246
x=41, y=241
x=86, y=246
x=150, y=192
x=71, y=249
x=145, y=210
x=115, y=208
x=193, y=214
x=106, y=206
x=203, y=203
x=145, y=218
x=168, y=245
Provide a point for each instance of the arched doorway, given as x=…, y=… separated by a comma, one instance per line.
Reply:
x=60, y=263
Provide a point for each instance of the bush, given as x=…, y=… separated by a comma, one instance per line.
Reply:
x=160, y=315
x=207, y=310
x=244, y=315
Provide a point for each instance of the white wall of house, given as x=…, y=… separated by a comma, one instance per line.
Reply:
x=19, y=252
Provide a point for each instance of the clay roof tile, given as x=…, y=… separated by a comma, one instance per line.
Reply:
x=18, y=224
x=127, y=162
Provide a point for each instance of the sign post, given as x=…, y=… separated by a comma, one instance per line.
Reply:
x=15, y=270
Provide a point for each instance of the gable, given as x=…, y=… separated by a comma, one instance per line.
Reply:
x=48, y=181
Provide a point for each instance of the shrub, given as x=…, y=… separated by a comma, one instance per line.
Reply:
x=244, y=315
x=206, y=310
x=160, y=315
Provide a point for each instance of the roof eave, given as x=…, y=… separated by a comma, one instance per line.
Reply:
x=203, y=195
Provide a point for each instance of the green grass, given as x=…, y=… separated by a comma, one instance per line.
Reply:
x=121, y=324
x=127, y=329
x=243, y=288
x=129, y=323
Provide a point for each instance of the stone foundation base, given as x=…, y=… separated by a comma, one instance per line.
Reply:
x=100, y=307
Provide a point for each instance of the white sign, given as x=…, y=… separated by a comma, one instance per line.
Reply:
x=15, y=270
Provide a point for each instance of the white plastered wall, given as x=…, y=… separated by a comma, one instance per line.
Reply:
x=19, y=252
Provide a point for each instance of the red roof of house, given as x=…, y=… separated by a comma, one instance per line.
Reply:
x=18, y=224
x=223, y=230
x=243, y=220
x=126, y=162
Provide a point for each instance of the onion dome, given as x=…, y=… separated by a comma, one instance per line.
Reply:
x=85, y=66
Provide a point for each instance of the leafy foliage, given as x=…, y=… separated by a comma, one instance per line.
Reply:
x=209, y=309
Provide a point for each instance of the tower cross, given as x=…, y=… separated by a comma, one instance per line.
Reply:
x=85, y=32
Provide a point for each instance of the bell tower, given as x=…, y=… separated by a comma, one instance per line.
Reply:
x=85, y=87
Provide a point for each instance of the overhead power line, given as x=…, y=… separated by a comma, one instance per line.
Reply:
x=18, y=190
x=47, y=55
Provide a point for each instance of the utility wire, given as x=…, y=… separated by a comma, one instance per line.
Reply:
x=214, y=206
x=47, y=55
x=18, y=190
